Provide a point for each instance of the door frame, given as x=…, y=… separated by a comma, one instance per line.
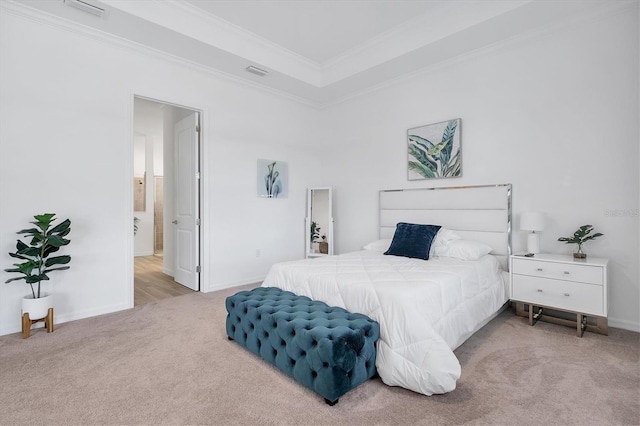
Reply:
x=203, y=183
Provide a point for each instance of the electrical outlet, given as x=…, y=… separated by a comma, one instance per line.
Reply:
x=257, y=252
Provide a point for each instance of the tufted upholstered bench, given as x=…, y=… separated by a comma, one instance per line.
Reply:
x=327, y=349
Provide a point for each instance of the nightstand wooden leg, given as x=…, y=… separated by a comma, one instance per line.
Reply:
x=26, y=325
x=48, y=321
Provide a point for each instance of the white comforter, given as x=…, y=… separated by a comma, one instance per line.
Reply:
x=425, y=308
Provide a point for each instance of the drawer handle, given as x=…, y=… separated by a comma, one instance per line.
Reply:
x=567, y=294
x=539, y=269
x=539, y=290
x=566, y=272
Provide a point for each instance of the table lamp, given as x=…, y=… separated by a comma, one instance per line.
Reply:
x=532, y=221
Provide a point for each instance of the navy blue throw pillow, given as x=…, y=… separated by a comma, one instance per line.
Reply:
x=412, y=240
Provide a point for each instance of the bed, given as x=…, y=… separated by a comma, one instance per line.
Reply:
x=425, y=308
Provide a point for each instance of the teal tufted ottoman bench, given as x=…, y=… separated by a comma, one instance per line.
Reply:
x=327, y=349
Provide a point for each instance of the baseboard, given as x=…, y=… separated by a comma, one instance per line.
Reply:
x=624, y=324
x=16, y=327
x=143, y=253
x=222, y=286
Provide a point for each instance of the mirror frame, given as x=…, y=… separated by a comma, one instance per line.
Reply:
x=309, y=251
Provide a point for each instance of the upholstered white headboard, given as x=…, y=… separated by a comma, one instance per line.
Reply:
x=481, y=213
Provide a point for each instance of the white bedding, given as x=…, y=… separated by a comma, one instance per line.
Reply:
x=425, y=308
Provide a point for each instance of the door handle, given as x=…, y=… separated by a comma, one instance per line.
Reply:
x=175, y=222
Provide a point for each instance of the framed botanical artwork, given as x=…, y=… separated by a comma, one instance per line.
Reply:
x=272, y=179
x=434, y=151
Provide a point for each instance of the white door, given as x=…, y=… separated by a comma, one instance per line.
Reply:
x=187, y=220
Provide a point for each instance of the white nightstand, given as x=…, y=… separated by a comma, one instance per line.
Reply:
x=561, y=283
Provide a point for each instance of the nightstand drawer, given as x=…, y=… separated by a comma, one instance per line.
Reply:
x=559, y=271
x=567, y=295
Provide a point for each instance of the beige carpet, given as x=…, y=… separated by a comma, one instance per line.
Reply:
x=170, y=363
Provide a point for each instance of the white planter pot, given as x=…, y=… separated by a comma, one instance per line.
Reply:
x=37, y=308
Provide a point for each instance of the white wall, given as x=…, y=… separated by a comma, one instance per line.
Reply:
x=555, y=114
x=66, y=108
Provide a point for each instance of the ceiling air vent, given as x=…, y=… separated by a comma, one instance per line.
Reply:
x=86, y=6
x=256, y=71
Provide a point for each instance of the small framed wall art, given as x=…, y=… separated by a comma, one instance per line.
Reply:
x=434, y=151
x=273, y=179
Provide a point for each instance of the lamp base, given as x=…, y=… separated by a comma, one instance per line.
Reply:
x=533, y=243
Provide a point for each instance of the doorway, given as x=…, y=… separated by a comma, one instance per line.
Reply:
x=166, y=200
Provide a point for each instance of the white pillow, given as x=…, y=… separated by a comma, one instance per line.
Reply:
x=463, y=249
x=379, y=245
x=442, y=239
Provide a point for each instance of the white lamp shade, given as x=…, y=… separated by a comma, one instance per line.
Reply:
x=532, y=221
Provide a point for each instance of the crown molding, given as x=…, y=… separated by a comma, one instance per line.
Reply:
x=184, y=18
x=414, y=34
x=600, y=11
x=24, y=11
x=317, y=97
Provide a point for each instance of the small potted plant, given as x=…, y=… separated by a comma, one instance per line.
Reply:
x=581, y=236
x=46, y=239
x=315, y=234
x=324, y=245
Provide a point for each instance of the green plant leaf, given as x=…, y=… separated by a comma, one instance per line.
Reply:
x=61, y=268
x=45, y=218
x=58, y=260
x=62, y=227
x=455, y=166
x=581, y=235
x=424, y=142
x=30, y=231
x=426, y=145
x=422, y=158
x=37, y=278
x=448, y=136
x=14, y=278
x=421, y=169
x=29, y=251
x=57, y=241
x=50, y=249
x=436, y=151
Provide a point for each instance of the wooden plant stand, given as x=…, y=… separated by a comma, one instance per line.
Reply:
x=28, y=322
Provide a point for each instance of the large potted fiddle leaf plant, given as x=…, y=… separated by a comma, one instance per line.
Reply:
x=36, y=262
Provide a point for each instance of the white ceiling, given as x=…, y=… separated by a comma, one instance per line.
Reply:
x=315, y=29
x=318, y=51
